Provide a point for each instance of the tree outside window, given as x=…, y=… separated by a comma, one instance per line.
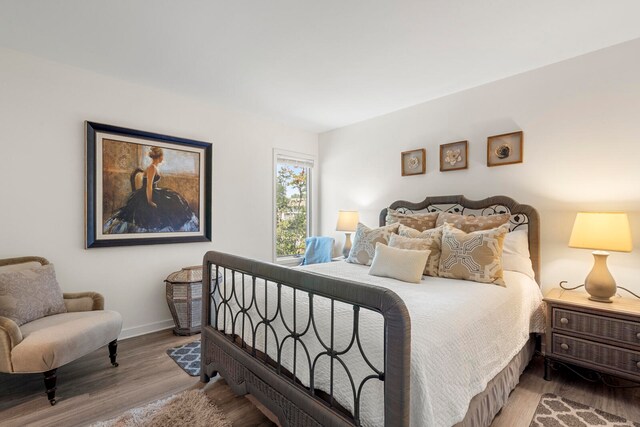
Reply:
x=291, y=209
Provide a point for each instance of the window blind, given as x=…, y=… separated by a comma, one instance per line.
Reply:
x=294, y=162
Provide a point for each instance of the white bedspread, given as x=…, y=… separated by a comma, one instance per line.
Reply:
x=462, y=335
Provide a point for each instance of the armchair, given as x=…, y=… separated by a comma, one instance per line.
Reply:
x=45, y=344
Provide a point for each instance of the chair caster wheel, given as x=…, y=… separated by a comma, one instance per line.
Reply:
x=52, y=401
x=115, y=364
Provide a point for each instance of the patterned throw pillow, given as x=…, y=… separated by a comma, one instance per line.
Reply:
x=433, y=238
x=30, y=294
x=417, y=221
x=468, y=223
x=364, y=242
x=474, y=256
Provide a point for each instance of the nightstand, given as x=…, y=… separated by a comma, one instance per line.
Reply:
x=599, y=336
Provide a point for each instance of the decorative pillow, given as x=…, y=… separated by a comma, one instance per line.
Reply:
x=402, y=264
x=517, y=243
x=433, y=238
x=21, y=266
x=474, y=256
x=30, y=294
x=418, y=221
x=364, y=242
x=469, y=223
x=515, y=253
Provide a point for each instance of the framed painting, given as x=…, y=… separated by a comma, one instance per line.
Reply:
x=505, y=149
x=453, y=156
x=144, y=188
x=414, y=162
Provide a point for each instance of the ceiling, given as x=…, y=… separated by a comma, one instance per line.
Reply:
x=314, y=64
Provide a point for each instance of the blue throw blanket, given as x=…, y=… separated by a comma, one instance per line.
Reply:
x=318, y=250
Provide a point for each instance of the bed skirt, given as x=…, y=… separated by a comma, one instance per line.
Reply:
x=482, y=409
x=485, y=405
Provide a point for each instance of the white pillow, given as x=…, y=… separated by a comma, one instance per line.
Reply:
x=402, y=264
x=515, y=253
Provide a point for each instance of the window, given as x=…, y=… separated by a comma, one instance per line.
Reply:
x=292, y=202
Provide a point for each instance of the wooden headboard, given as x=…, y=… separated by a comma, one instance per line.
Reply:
x=522, y=216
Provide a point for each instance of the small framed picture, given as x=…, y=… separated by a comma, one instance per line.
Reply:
x=505, y=149
x=453, y=156
x=414, y=162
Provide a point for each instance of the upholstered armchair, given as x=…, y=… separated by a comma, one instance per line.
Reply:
x=44, y=344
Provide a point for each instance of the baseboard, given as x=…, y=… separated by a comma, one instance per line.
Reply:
x=146, y=329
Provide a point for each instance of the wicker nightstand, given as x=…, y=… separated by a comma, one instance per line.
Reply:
x=599, y=336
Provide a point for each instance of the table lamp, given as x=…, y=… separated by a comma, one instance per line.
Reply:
x=347, y=222
x=602, y=231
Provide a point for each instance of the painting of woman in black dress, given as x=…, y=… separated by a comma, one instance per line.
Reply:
x=145, y=188
x=150, y=207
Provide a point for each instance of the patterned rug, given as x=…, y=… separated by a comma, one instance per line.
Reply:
x=556, y=411
x=187, y=356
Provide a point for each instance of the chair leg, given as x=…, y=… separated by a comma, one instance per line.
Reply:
x=113, y=348
x=50, y=378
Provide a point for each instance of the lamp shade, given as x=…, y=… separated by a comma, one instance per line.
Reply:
x=606, y=231
x=347, y=221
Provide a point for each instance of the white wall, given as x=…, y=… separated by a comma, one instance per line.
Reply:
x=581, y=123
x=43, y=106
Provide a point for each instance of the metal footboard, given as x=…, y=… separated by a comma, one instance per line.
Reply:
x=255, y=313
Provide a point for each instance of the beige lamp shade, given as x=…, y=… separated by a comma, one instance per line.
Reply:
x=347, y=221
x=606, y=231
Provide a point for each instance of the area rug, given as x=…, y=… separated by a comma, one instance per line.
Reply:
x=191, y=408
x=556, y=411
x=187, y=356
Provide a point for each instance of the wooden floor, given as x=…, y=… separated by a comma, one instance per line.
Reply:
x=91, y=390
x=524, y=399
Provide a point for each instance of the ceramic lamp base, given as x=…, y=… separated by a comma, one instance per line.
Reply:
x=600, y=284
x=597, y=299
x=347, y=246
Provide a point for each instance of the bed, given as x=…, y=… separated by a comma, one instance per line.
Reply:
x=330, y=345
